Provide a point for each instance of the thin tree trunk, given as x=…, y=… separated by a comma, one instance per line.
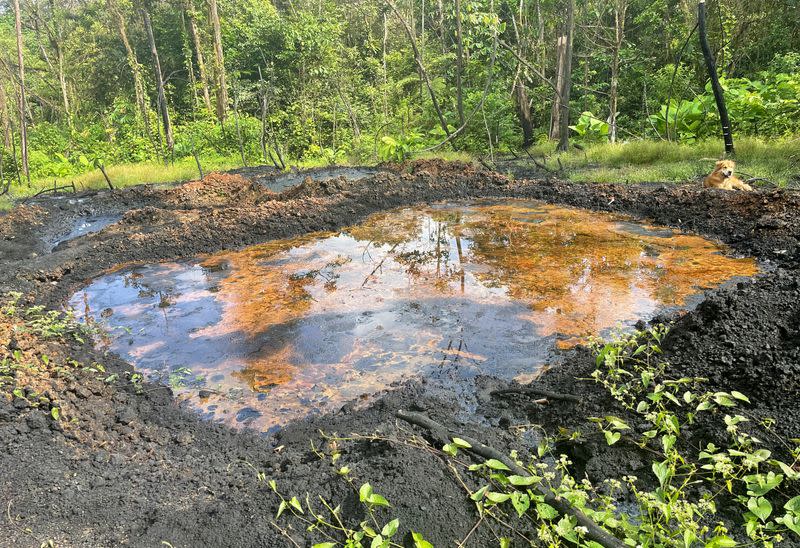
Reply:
x=162, y=97
x=219, y=62
x=559, y=128
x=198, y=54
x=385, y=68
x=351, y=115
x=238, y=127
x=23, y=128
x=62, y=81
x=14, y=156
x=711, y=66
x=5, y=117
x=189, y=58
x=620, y=10
x=442, y=32
x=136, y=71
x=459, y=64
x=423, y=74
x=263, y=92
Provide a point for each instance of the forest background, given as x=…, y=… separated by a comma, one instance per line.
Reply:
x=129, y=92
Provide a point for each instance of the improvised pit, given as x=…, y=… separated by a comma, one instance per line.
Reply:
x=127, y=465
x=280, y=331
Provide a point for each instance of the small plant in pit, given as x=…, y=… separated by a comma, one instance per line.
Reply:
x=34, y=377
x=48, y=324
x=740, y=470
x=678, y=506
x=690, y=485
x=328, y=521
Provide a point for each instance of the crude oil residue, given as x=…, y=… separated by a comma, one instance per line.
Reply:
x=295, y=327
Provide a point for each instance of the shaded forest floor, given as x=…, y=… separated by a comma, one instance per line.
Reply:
x=123, y=465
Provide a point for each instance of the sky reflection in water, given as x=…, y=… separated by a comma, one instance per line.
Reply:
x=294, y=327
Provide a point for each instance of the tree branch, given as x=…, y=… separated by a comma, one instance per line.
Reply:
x=595, y=532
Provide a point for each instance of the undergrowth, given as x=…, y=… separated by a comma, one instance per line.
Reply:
x=647, y=160
x=677, y=505
x=28, y=374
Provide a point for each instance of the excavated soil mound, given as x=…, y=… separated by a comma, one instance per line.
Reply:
x=124, y=465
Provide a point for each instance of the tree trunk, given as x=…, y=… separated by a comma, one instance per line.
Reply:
x=162, y=97
x=262, y=91
x=238, y=127
x=620, y=10
x=711, y=65
x=136, y=71
x=62, y=81
x=5, y=117
x=459, y=65
x=559, y=126
x=219, y=62
x=523, y=108
x=23, y=127
x=423, y=74
x=198, y=54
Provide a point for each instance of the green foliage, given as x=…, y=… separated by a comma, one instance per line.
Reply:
x=590, y=128
x=338, y=83
x=321, y=518
x=678, y=504
x=769, y=106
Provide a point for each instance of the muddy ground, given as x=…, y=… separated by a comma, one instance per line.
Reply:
x=125, y=466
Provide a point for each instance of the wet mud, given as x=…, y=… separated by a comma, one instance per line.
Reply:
x=130, y=466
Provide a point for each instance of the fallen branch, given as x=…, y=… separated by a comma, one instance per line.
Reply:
x=595, y=532
x=761, y=180
x=540, y=165
x=102, y=169
x=536, y=392
x=485, y=164
x=753, y=179
x=53, y=190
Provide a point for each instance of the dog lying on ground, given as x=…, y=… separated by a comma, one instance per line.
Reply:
x=723, y=177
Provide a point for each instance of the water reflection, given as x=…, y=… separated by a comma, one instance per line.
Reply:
x=294, y=327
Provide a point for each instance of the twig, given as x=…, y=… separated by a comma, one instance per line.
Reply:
x=483, y=162
x=380, y=264
x=474, y=527
x=536, y=392
x=284, y=533
x=540, y=165
x=594, y=531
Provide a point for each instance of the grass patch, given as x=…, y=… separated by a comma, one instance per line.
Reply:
x=645, y=161
x=633, y=162
x=124, y=175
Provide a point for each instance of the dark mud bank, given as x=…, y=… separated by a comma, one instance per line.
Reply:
x=131, y=468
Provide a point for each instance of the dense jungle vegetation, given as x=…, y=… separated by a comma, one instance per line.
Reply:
x=88, y=84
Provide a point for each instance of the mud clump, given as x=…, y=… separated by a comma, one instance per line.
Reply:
x=217, y=189
x=745, y=339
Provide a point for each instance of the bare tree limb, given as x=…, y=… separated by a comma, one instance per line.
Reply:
x=420, y=67
x=595, y=532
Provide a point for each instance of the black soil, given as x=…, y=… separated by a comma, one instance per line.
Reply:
x=127, y=466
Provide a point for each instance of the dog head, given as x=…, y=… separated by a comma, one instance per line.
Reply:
x=725, y=167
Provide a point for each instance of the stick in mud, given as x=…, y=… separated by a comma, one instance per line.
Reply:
x=595, y=532
x=536, y=392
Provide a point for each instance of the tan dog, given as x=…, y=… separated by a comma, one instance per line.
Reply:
x=723, y=177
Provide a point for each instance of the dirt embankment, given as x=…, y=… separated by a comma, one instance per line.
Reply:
x=125, y=465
